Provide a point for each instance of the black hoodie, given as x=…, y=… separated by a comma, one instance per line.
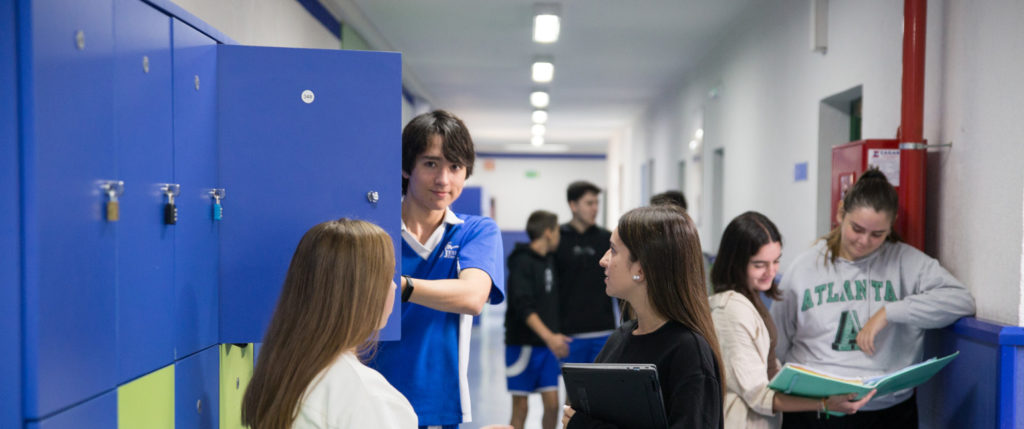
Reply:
x=531, y=288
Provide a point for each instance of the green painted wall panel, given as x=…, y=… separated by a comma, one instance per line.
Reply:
x=235, y=373
x=147, y=402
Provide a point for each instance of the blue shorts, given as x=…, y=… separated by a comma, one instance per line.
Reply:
x=585, y=350
x=530, y=369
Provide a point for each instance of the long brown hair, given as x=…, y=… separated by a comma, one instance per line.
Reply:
x=874, y=191
x=332, y=301
x=742, y=239
x=664, y=240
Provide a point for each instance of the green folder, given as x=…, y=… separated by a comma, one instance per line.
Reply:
x=801, y=380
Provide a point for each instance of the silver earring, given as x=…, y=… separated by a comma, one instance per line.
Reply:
x=636, y=277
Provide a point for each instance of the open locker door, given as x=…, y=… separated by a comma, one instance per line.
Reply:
x=305, y=136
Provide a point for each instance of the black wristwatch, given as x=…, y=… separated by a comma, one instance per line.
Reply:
x=407, y=292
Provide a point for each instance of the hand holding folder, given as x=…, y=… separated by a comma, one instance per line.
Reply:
x=804, y=381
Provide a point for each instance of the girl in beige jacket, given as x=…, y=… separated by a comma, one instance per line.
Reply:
x=745, y=267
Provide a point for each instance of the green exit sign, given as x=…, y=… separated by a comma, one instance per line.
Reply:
x=532, y=174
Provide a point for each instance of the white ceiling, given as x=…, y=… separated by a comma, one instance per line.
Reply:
x=613, y=58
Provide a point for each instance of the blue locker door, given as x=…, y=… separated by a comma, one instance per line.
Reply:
x=10, y=256
x=195, y=168
x=69, y=247
x=97, y=413
x=288, y=164
x=142, y=127
x=197, y=390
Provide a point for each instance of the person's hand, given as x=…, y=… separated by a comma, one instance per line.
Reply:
x=845, y=403
x=559, y=344
x=567, y=413
x=866, y=336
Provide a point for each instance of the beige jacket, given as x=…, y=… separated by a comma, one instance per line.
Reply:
x=744, y=340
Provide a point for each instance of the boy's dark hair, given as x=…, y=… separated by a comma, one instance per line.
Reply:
x=742, y=239
x=456, y=143
x=580, y=188
x=539, y=222
x=670, y=197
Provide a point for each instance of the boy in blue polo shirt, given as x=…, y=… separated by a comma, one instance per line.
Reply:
x=451, y=267
x=532, y=342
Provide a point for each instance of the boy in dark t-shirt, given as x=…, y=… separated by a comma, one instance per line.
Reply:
x=533, y=344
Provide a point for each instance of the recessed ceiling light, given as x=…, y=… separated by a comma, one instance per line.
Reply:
x=543, y=71
x=693, y=144
x=538, y=129
x=539, y=116
x=545, y=27
x=699, y=134
x=539, y=99
x=537, y=140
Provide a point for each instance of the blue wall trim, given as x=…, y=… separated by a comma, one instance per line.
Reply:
x=323, y=15
x=1011, y=336
x=176, y=11
x=542, y=155
x=989, y=332
x=978, y=330
x=1008, y=341
x=1007, y=414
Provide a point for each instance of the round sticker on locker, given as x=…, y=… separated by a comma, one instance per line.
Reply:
x=308, y=96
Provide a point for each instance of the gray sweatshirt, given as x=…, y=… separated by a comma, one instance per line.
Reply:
x=824, y=306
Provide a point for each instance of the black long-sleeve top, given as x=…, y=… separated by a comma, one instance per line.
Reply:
x=584, y=305
x=687, y=373
x=531, y=288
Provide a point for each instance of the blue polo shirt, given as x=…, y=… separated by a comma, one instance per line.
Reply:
x=430, y=363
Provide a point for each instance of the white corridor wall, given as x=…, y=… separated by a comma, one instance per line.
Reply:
x=758, y=95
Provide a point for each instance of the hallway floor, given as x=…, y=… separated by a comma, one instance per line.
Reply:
x=490, y=400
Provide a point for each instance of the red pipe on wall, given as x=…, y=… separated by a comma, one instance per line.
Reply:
x=913, y=154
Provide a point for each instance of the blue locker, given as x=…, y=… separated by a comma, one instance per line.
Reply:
x=10, y=257
x=289, y=164
x=195, y=168
x=142, y=130
x=69, y=248
x=96, y=413
x=197, y=390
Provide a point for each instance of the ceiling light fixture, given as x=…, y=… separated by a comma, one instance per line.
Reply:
x=546, y=23
x=539, y=116
x=537, y=141
x=543, y=70
x=693, y=144
x=699, y=134
x=538, y=130
x=539, y=99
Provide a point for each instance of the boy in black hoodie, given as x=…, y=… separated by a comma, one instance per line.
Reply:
x=532, y=338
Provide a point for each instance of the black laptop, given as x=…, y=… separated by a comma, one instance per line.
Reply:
x=625, y=394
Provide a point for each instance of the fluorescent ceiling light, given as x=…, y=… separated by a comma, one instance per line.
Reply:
x=538, y=129
x=545, y=28
x=540, y=116
x=537, y=140
x=543, y=71
x=539, y=99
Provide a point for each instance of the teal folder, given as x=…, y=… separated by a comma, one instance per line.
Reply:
x=801, y=380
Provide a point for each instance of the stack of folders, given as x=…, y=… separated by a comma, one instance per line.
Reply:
x=801, y=380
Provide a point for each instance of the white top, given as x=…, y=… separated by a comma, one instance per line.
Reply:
x=744, y=341
x=348, y=394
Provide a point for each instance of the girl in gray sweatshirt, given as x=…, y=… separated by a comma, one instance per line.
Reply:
x=858, y=302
